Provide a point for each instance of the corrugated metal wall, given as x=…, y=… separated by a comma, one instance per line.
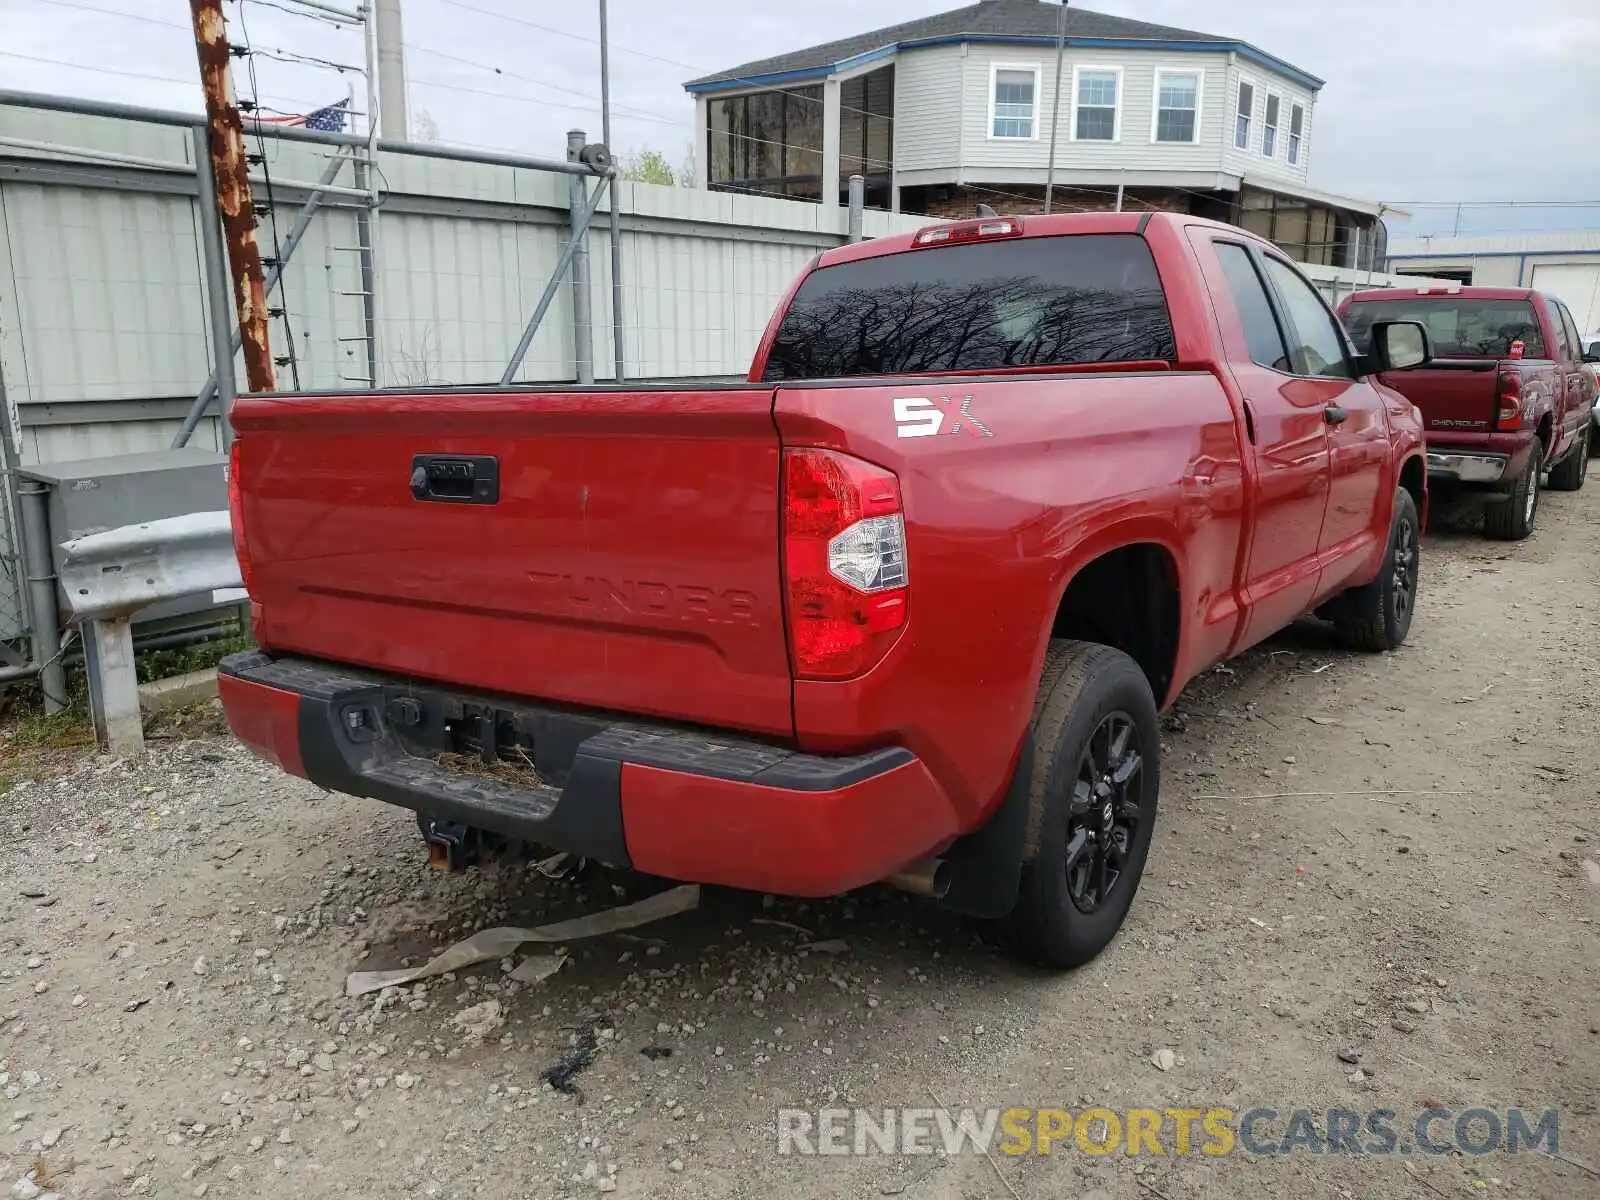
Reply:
x=103, y=332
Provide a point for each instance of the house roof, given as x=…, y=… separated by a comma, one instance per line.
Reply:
x=1004, y=21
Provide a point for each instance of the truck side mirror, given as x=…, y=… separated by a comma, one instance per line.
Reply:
x=1398, y=346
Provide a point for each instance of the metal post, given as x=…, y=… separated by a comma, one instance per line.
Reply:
x=113, y=684
x=394, y=120
x=1119, y=197
x=226, y=156
x=366, y=245
x=367, y=218
x=557, y=274
x=1055, y=115
x=617, y=350
x=302, y=222
x=214, y=259
x=582, y=320
x=858, y=203
x=43, y=607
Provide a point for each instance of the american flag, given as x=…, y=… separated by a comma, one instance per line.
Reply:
x=324, y=120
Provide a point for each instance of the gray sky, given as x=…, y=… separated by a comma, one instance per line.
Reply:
x=1448, y=100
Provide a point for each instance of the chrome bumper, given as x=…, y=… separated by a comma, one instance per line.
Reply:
x=1467, y=468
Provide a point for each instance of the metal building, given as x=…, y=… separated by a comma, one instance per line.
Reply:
x=1563, y=263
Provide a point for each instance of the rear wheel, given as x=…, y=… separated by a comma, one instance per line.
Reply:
x=1092, y=805
x=1511, y=520
x=1569, y=476
x=1377, y=617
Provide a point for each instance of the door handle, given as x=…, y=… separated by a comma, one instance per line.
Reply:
x=1334, y=415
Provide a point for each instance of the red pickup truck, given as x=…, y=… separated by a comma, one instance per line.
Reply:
x=904, y=604
x=1505, y=398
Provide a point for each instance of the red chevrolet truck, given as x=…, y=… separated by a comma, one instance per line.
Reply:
x=1505, y=398
x=902, y=606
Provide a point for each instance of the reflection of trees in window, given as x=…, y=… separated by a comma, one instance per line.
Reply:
x=986, y=324
x=983, y=306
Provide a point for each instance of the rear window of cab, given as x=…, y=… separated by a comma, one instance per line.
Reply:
x=1457, y=328
x=1022, y=302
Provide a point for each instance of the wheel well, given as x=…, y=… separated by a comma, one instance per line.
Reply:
x=1127, y=598
x=1413, y=477
x=1546, y=427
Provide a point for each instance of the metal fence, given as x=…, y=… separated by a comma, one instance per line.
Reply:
x=110, y=318
x=102, y=269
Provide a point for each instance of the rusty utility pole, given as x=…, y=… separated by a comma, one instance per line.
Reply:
x=225, y=132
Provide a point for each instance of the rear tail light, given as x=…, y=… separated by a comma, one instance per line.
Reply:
x=844, y=541
x=236, y=515
x=1508, y=400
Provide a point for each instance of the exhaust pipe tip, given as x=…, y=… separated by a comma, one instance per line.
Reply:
x=929, y=879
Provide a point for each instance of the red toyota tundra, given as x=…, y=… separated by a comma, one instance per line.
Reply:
x=1506, y=397
x=904, y=604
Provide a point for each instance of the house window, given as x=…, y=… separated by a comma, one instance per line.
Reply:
x=1243, y=113
x=866, y=135
x=1297, y=124
x=1096, y=94
x=1269, y=127
x=1177, y=106
x=766, y=143
x=1012, y=95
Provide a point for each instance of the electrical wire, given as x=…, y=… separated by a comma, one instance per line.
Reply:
x=272, y=208
x=539, y=100
x=300, y=12
x=117, y=12
x=671, y=62
x=554, y=87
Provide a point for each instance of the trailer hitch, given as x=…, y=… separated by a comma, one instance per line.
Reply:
x=452, y=846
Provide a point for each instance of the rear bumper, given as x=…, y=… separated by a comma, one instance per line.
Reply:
x=692, y=805
x=1467, y=468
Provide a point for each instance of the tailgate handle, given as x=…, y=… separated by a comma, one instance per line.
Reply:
x=456, y=478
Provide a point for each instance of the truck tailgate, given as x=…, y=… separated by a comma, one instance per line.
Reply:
x=611, y=549
x=1453, y=393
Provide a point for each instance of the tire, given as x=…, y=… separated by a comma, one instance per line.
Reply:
x=1511, y=520
x=1093, y=721
x=1377, y=616
x=1569, y=476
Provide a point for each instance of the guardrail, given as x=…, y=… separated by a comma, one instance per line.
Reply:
x=108, y=577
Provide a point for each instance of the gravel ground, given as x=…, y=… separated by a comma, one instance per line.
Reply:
x=175, y=931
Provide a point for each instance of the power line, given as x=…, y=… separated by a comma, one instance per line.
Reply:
x=554, y=87
x=117, y=12
x=1494, y=203
x=671, y=62
x=540, y=100
x=78, y=67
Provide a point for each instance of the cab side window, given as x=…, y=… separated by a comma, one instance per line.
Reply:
x=1261, y=332
x=1316, y=346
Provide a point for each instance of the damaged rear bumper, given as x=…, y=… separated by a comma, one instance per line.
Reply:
x=700, y=806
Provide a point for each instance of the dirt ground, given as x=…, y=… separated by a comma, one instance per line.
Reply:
x=174, y=935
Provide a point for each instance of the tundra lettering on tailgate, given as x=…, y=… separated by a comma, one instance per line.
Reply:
x=595, y=596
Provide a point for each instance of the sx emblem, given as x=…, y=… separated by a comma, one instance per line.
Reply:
x=922, y=416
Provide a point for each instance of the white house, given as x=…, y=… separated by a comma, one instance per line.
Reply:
x=960, y=108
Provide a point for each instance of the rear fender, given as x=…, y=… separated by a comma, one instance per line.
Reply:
x=1135, y=531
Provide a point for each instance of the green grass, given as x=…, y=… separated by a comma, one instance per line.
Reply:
x=202, y=656
x=31, y=728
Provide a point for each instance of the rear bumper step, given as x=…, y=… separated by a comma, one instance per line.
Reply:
x=695, y=805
